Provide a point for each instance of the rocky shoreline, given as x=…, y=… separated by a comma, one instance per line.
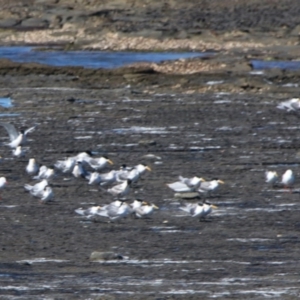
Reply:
x=144, y=25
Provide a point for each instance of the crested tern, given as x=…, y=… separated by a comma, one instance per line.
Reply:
x=209, y=186
x=288, y=179
x=144, y=210
x=16, y=138
x=45, y=173
x=89, y=212
x=198, y=209
x=18, y=152
x=115, y=210
x=3, y=183
x=290, y=105
x=120, y=190
x=271, y=177
x=97, y=163
x=37, y=190
x=66, y=166
x=134, y=173
x=46, y=195
x=185, y=185
x=32, y=167
x=109, y=178
x=94, y=178
x=79, y=171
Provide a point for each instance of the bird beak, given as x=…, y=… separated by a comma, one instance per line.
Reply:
x=202, y=179
x=214, y=207
x=154, y=206
x=110, y=162
x=148, y=168
x=221, y=181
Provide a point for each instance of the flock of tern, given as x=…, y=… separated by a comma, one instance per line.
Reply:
x=120, y=181
x=287, y=179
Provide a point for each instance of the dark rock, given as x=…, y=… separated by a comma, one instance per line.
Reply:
x=34, y=23
x=191, y=195
x=10, y=22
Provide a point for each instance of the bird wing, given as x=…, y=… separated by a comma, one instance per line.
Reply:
x=42, y=172
x=11, y=130
x=47, y=195
x=183, y=179
x=80, y=211
x=28, y=187
x=193, y=210
x=295, y=106
x=117, y=189
x=179, y=187
x=30, y=130
x=204, y=186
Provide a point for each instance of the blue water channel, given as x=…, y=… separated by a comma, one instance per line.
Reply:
x=90, y=59
x=275, y=64
x=111, y=59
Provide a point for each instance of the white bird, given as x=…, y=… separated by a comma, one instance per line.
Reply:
x=94, y=178
x=123, y=171
x=37, y=190
x=271, y=177
x=46, y=195
x=79, y=171
x=143, y=208
x=82, y=155
x=186, y=185
x=193, y=182
x=288, y=179
x=209, y=186
x=97, y=163
x=134, y=173
x=290, y=105
x=66, y=166
x=3, y=183
x=136, y=203
x=180, y=187
x=109, y=178
x=89, y=212
x=142, y=168
x=116, y=210
x=198, y=209
x=32, y=167
x=121, y=189
x=45, y=173
x=18, y=152
x=16, y=138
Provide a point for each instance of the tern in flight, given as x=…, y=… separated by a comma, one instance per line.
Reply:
x=16, y=138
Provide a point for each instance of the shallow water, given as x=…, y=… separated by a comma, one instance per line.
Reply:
x=90, y=59
x=271, y=64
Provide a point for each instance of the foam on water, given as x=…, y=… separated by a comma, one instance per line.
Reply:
x=249, y=240
x=215, y=82
x=41, y=260
x=83, y=137
x=140, y=129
